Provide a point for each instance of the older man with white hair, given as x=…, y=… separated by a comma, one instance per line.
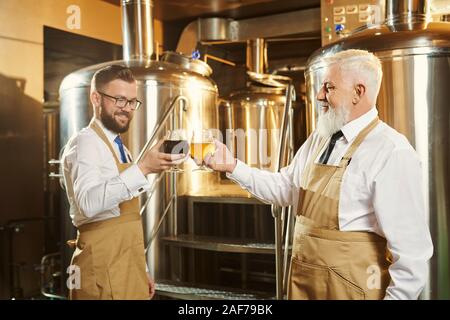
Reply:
x=356, y=186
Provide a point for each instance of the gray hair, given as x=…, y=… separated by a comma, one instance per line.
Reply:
x=363, y=66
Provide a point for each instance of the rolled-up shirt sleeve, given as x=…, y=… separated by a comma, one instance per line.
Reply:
x=400, y=210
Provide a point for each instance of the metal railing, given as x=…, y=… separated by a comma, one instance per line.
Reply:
x=161, y=124
x=173, y=197
x=278, y=213
x=43, y=268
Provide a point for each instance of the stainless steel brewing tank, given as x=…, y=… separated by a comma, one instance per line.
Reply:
x=414, y=100
x=159, y=82
x=253, y=115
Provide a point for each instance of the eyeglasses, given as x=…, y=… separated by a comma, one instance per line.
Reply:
x=122, y=102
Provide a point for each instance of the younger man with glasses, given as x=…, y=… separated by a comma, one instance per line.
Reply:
x=103, y=186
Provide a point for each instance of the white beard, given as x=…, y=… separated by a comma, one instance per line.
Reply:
x=332, y=121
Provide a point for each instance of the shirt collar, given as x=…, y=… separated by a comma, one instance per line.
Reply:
x=109, y=134
x=353, y=128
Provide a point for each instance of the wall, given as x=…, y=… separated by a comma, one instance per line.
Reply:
x=21, y=33
x=21, y=124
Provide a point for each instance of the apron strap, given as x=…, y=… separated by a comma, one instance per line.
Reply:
x=357, y=142
x=322, y=186
x=321, y=145
x=94, y=126
x=342, y=165
x=308, y=165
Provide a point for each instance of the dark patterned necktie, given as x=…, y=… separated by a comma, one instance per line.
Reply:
x=326, y=154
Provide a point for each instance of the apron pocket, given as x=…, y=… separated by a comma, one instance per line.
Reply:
x=83, y=258
x=340, y=288
x=127, y=275
x=309, y=281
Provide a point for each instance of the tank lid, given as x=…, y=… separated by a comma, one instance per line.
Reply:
x=200, y=67
x=175, y=58
x=187, y=62
x=385, y=41
x=269, y=80
x=143, y=70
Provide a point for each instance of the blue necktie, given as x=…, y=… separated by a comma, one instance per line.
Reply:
x=122, y=151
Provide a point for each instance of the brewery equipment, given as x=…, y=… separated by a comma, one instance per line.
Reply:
x=339, y=18
x=414, y=95
x=177, y=92
x=254, y=114
x=259, y=116
x=177, y=82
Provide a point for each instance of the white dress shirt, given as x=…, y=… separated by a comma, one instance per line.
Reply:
x=97, y=188
x=381, y=192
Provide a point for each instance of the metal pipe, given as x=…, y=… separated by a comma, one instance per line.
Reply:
x=155, y=133
x=257, y=55
x=173, y=176
x=406, y=11
x=150, y=193
x=276, y=210
x=209, y=56
x=276, y=213
x=290, y=94
x=286, y=249
x=213, y=29
x=161, y=124
x=137, y=29
x=158, y=226
x=43, y=269
x=289, y=213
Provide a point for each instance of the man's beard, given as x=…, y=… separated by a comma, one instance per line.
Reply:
x=332, y=120
x=111, y=124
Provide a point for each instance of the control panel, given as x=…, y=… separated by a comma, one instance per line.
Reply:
x=339, y=18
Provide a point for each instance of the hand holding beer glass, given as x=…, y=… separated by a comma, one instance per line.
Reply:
x=202, y=143
x=176, y=143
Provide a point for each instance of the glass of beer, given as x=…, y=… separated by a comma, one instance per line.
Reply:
x=202, y=143
x=176, y=143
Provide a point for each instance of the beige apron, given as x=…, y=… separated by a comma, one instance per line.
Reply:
x=110, y=253
x=327, y=263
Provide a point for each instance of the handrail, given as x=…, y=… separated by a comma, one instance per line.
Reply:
x=285, y=123
x=155, y=133
x=42, y=269
x=161, y=124
x=156, y=228
x=276, y=210
x=287, y=236
x=150, y=192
